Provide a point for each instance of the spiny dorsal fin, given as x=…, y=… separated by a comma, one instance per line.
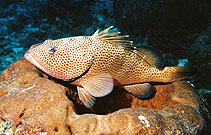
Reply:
x=95, y=34
x=149, y=55
x=112, y=37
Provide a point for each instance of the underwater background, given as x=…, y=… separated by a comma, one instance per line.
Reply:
x=180, y=30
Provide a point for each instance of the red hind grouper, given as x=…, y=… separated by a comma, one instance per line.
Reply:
x=97, y=63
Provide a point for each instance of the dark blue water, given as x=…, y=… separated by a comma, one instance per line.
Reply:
x=26, y=22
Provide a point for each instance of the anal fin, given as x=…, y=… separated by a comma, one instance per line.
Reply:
x=141, y=90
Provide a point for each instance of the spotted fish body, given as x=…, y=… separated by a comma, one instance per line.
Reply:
x=96, y=63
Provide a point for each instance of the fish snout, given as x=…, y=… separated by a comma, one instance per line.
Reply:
x=29, y=57
x=32, y=47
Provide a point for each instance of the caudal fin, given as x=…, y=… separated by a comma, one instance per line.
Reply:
x=176, y=73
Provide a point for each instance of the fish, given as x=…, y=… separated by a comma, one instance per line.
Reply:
x=97, y=63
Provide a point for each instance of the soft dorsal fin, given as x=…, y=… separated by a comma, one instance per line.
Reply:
x=148, y=54
x=112, y=37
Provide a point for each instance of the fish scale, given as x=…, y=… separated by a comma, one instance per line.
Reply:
x=120, y=63
x=97, y=63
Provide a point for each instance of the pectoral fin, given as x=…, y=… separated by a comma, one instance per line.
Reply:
x=98, y=85
x=95, y=86
x=141, y=90
x=87, y=99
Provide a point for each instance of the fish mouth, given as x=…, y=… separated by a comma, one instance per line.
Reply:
x=30, y=58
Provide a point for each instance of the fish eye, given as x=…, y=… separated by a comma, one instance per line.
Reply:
x=52, y=50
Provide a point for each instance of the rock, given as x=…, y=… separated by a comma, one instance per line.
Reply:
x=199, y=55
x=38, y=104
x=168, y=25
x=206, y=95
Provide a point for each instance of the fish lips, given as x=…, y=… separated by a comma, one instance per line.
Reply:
x=30, y=58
